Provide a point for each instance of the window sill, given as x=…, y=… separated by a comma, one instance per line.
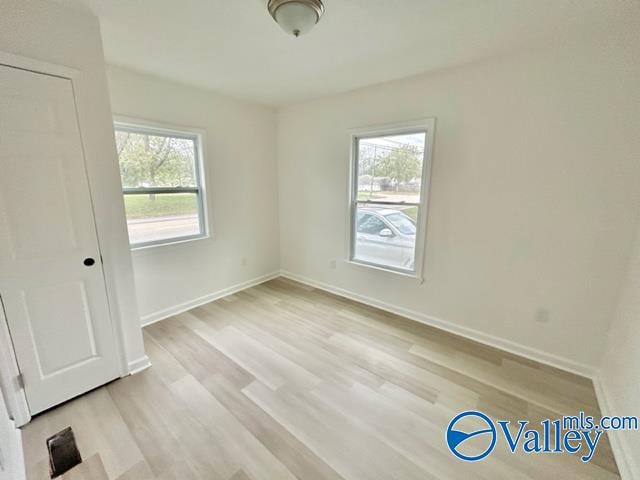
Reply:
x=415, y=276
x=169, y=243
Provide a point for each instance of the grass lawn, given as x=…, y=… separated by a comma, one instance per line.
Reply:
x=138, y=206
x=362, y=196
x=412, y=212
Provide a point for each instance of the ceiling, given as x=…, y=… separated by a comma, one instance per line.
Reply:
x=235, y=48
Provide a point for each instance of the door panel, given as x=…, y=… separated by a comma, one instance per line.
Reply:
x=56, y=307
x=50, y=206
x=48, y=306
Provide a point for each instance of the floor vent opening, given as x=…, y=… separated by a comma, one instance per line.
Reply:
x=63, y=452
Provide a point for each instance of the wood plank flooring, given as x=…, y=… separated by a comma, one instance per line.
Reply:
x=282, y=381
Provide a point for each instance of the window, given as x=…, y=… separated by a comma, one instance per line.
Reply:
x=162, y=184
x=390, y=173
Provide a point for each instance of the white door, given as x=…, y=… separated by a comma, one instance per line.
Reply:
x=53, y=294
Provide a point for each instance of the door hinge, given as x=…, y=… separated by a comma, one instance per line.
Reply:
x=20, y=381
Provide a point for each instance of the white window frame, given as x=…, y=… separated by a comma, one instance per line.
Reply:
x=426, y=126
x=135, y=125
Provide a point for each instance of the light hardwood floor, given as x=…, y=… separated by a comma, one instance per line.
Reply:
x=282, y=381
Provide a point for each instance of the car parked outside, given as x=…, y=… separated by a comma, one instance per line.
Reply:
x=386, y=237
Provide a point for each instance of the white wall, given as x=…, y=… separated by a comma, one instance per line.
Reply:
x=535, y=167
x=619, y=374
x=240, y=168
x=49, y=32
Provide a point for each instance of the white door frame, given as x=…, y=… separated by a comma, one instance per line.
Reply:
x=12, y=390
x=16, y=398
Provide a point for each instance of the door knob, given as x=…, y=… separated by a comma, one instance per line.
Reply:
x=89, y=261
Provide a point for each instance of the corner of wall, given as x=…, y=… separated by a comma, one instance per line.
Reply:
x=627, y=465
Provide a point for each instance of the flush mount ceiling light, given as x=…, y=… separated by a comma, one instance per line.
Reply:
x=296, y=17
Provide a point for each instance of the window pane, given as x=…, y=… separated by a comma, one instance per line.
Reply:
x=403, y=223
x=153, y=159
x=386, y=236
x=157, y=217
x=148, y=160
x=390, y=168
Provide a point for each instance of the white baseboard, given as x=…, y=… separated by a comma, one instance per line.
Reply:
x=472, y=334
x=469, y=333
x=618, y=446
x=136, y=366
x=196, y=302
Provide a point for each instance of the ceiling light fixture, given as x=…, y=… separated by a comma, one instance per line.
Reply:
x=296, y=17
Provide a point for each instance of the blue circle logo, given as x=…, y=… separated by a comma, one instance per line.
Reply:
x=457, y=437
